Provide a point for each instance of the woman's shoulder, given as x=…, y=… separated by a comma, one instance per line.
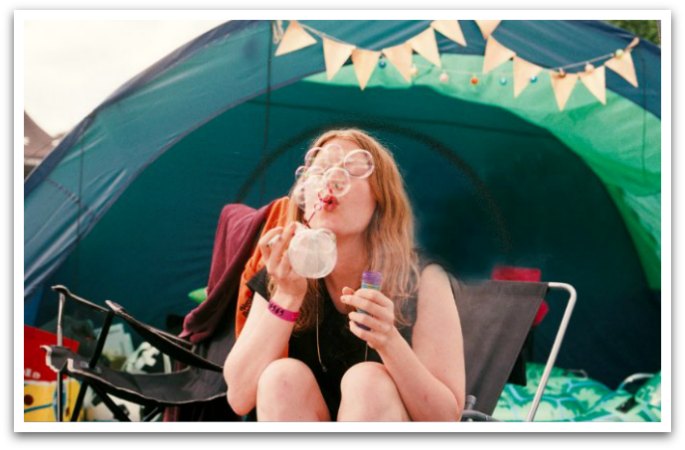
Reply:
x=433, y=271
x=429, y=264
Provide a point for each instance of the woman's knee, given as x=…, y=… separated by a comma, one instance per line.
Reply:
x=284, y=377
x=367, y=378
x=287, y=390
x=368, y=393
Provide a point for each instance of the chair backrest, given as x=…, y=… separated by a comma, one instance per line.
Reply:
x=496, y=317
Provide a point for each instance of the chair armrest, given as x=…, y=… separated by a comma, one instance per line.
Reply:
x=119, y=311
x=555, y=346
x=177, y=348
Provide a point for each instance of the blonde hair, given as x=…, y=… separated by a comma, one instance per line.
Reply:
x=389, y=236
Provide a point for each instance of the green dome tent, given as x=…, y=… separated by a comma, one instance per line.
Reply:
x=125, y=208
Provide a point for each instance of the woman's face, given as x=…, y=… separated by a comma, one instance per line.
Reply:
x=346, y=215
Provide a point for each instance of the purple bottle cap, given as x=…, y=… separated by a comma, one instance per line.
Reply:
x=372, y=279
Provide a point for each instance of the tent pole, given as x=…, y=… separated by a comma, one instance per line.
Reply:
x=267, y=106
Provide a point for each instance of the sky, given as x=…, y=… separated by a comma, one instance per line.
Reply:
x=71, y=66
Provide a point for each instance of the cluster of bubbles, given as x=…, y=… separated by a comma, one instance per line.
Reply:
x=327, y=171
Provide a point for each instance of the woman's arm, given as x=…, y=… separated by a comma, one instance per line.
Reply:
x=430, y=376
x=265, y=336
x=263, y=340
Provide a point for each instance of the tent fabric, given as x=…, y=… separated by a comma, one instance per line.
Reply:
x=592, y=130
x=242, y=44
x=126, y=206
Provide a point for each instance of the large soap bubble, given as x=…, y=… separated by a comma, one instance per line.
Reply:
x=359, y=163
x=327, y=156
x=313, y=252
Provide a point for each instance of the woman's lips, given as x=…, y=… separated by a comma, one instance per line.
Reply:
x=330, y=203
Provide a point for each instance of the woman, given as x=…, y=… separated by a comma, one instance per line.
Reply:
x=401, y=361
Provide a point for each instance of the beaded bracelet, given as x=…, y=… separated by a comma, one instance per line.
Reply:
x=282, y=313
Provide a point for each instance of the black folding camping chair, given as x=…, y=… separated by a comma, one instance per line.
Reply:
x=496, y=317
x=199, y=384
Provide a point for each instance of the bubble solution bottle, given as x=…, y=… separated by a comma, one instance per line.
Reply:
x=370, y=280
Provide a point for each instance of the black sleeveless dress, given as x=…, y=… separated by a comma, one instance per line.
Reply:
x=340, y=348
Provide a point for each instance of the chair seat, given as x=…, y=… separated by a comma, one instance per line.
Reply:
x=187, y=386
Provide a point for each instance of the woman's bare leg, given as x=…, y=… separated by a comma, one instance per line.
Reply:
x=369, y=394
x=287, y=391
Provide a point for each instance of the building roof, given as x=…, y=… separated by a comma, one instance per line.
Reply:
x=37, y=142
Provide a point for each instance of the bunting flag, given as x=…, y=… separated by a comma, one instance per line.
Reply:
x=335, y=54
x=594, y=80
x=562, y=85
x=495, y=54
x=295, y=38
x=487, y=27
x=400, y=57
x=364, y=62
x=622, y=64
x=523, y=72
x=450, y=29
x=425, y=45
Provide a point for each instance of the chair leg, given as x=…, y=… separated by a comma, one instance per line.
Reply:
x=152, y=413
x=60, y=342
x=79, y=401
x=60, y=393
x=118, y=413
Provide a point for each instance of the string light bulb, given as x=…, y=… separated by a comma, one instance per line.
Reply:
x=444, y=78
x=413, y=71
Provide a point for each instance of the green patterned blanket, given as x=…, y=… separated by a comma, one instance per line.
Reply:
x=571, y=396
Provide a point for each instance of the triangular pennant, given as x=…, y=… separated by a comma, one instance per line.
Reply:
x=487, y=27
x=563, y=85
x=364, y=62
x=335, y=54
x=595, y=82
x=523, y=72
x=450, y=29
x=633, y=43
x=623, y=65
x=295, y=38
x=400, y=57
x=425, y=45
x=495, y=54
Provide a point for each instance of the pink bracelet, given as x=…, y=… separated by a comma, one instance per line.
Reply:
x=282, y=313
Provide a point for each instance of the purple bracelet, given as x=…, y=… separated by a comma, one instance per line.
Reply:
x=282, y=313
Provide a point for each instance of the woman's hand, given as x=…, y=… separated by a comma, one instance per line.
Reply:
x=379, y=317
x=274, y=246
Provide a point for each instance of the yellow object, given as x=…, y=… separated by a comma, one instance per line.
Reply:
x=40, y=400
